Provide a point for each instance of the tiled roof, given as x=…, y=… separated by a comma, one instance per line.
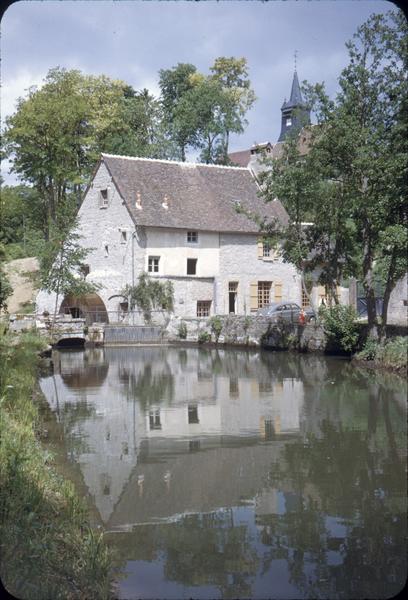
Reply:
x=199, y=197
x=240, y=158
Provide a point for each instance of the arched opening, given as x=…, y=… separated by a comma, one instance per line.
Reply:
x=89, y=307
x=74, y=342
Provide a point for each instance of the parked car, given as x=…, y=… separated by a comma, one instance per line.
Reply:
x=286, y=312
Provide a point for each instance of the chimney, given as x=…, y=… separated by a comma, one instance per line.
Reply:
x=165, y=203
x=138, y=200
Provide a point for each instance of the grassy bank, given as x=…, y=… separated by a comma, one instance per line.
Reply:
x=391, y=354
x=48, y=549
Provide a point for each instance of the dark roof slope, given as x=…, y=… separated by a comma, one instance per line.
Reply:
x=240, y=158
x=200, y=197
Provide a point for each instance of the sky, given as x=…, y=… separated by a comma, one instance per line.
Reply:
x=133, y=39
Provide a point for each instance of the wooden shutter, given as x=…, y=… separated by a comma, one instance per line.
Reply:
x=278, y=291
x=253, y=296
x=260, y=249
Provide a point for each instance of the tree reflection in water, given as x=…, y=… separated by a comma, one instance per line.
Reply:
x=297, y=474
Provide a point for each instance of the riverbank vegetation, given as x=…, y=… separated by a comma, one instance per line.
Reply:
x=48, y=549
x=391, y=355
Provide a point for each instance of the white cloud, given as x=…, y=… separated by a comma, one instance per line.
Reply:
x=16, y=87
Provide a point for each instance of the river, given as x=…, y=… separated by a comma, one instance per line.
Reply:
x=236, y=474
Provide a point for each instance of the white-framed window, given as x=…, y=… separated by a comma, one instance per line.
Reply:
x=264, y=293
x=192, y=237
x=203, y=308
x=266, y=250
x=104, y=198
x=153, y=264
x=288, y=121
x=123, y=236
x=191, y=266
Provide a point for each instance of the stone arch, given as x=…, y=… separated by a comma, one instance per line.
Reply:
x=90, y=307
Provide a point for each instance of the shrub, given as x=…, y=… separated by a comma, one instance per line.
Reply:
x=340, y=326
x=369, y=351
x=182, y=330
x=204, y=337
x=394, y=353
x=216, y=327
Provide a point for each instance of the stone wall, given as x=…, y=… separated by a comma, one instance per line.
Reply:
x=250, y=331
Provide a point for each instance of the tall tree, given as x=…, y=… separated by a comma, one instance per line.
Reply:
x=357, y=160
x=232, y=75
x=174, y=84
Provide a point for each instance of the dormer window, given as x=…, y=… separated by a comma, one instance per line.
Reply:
x=192, y=237
x=103, y=198
x=123, y=236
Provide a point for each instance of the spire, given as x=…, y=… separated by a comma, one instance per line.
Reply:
x=294, y=112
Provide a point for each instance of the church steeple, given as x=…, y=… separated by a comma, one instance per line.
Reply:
x=295, y=114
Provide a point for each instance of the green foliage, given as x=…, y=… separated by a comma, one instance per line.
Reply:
x=216, y=326
x=5, y=287
x=369, y=351
x=43, y=521
x=182, y=330
x=348, y=174
x=61, y=261
x=204, y=337
x=392, y=353
x=22, y=220
x=150, y=294
x=340, y=326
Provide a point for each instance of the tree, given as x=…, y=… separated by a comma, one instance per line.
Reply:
x=61, y=262
x=57, y=133
x=354, y=172
x=174, y=84
x=150, y=294
x=232, y=75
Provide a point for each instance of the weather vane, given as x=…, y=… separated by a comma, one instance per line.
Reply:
x=296, y=53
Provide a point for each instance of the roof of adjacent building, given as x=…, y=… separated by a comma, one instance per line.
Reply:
x=198, y=197
x=240, y=158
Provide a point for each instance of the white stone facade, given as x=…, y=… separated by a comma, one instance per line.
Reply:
x=119, y=251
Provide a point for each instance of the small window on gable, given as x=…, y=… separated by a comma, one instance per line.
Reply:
x=103, y=198
x=106, y=250
x=123, y=236
x=192, y=237
x=191, y=266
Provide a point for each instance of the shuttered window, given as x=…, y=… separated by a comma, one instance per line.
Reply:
x=278, y=291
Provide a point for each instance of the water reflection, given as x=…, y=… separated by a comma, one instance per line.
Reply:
x=239, y=474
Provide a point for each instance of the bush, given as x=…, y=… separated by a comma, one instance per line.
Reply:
x=204, y=337
x=393, y=353
x=216, y=327
x=340, y=326
x=182, y=330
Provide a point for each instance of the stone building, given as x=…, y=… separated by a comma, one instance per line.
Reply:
x=184, y=222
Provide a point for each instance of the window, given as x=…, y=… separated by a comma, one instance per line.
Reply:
x=264, y=292
x=123, y=237
x=203, y=308
x=232, y=296
x=153, y=264
x=154, y=419
x=123, y=307
x=103, y=198
x=106, y=250
x=192, y=237
x=266, y=250
x=288, y=121
x=191, y=266
x=193, y=413
x=305, y=299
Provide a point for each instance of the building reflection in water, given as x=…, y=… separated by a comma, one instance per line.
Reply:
x=260, y=458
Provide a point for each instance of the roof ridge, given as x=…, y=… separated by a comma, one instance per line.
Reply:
x=173, y=162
